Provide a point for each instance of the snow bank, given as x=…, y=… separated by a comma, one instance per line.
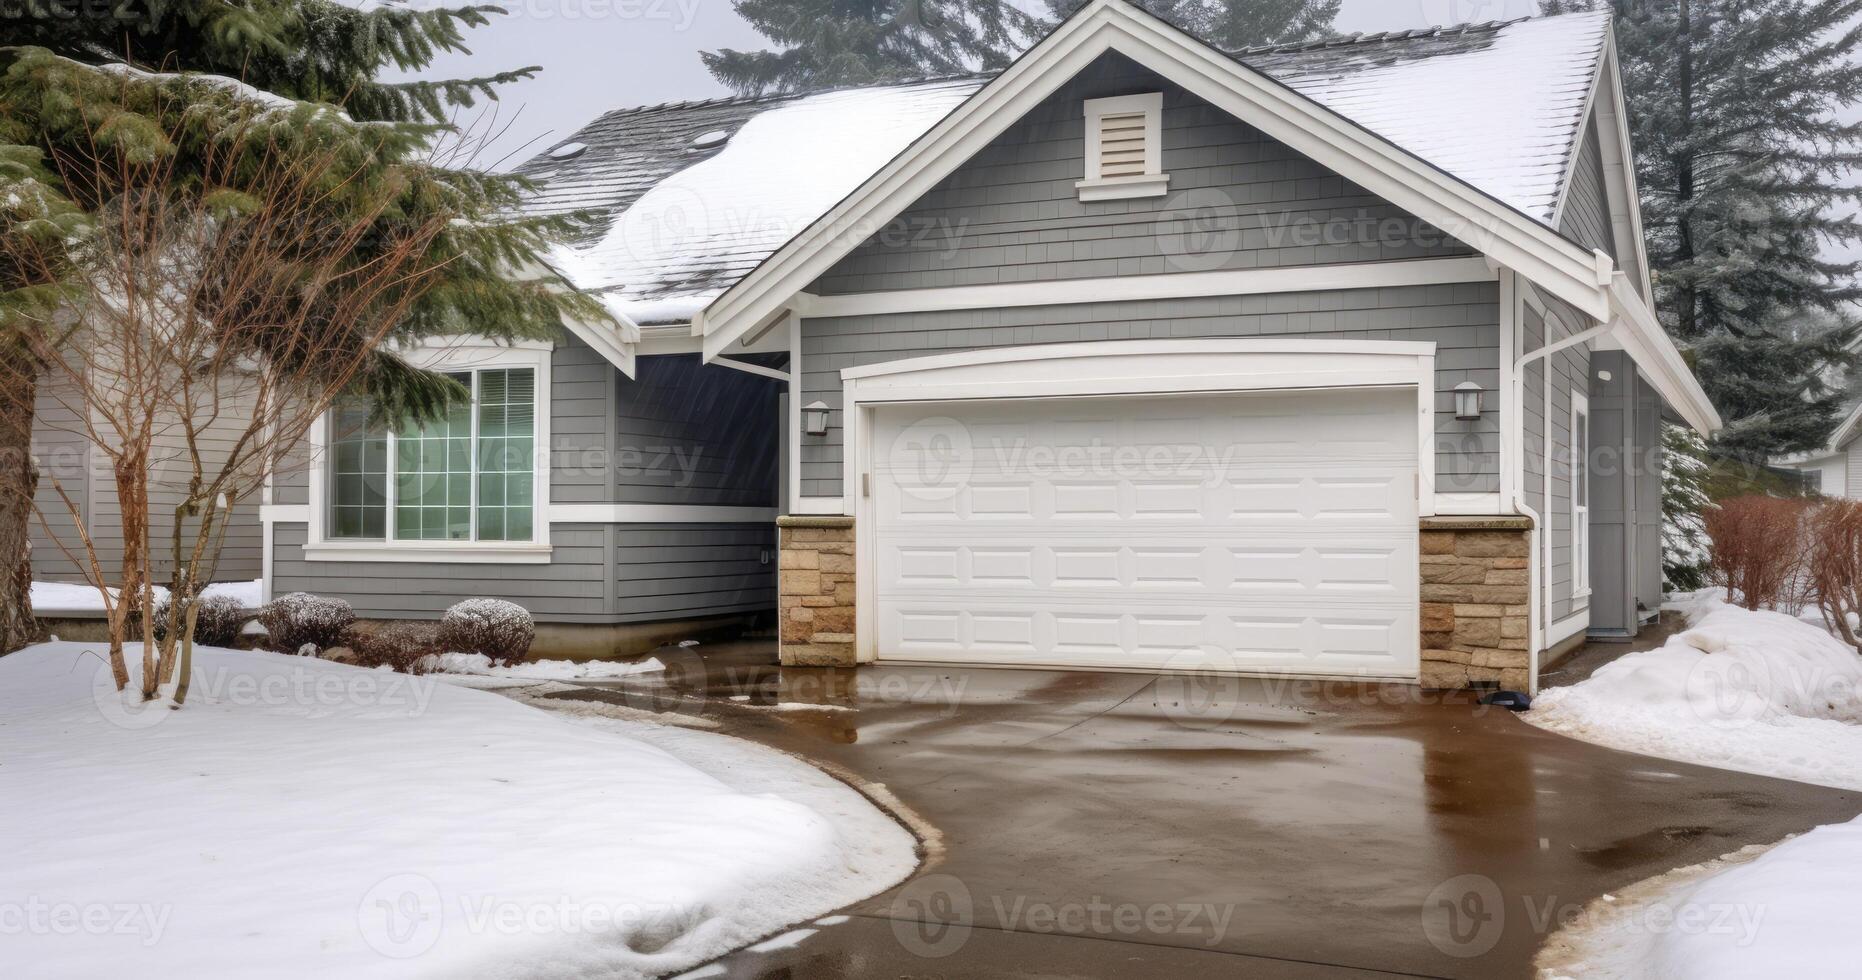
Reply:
x=1759, y=692
x=477, y=664
x=53, y=598
x=304, y=818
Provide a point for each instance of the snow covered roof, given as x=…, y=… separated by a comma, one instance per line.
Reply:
x=1499, y=106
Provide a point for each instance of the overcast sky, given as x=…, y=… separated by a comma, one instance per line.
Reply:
x=602, y=54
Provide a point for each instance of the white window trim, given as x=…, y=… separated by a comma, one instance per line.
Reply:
x=1580, y=512
x=465, y=353
x=1153, y=182
x=1116, y=368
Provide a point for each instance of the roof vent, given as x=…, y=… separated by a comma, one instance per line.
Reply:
x=710, y=140
x=568, y=151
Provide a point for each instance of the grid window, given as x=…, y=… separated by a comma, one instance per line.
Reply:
x=468, y=476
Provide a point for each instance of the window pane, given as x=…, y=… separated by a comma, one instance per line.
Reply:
x=426, y=468
x=507, y=432
x=358, y=471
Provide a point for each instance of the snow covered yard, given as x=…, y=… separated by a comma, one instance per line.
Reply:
x=1759, y=692
x=307, y=818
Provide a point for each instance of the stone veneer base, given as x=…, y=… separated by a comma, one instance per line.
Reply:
x=1476, y=602
x=815, y=591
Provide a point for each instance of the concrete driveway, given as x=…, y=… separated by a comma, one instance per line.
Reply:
x=1128, y=825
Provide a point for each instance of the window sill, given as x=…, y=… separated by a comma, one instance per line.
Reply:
x=1123, y=188
x=441, y=552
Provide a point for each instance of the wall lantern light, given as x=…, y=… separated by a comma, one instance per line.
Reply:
x=815, y=419
x=1467, y=400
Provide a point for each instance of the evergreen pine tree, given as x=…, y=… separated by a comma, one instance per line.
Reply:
x=183, y=79
x=1684, y=496
x=830, y=43
x=833, y=43
x=1742, y=165
x=1235, y=24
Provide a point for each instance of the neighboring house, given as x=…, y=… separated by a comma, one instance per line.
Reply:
x=1836, y=469
x=1330, y=360
x=77, y=482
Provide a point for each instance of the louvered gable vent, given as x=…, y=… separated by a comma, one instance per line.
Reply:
x=1124, y=151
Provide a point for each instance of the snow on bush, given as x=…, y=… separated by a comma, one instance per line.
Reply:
x=300, y=619
x=403, y=647
x=479, y=665
x=1755, y=691
x=218, y=620
x=498, y=630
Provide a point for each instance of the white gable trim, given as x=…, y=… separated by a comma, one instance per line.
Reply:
x=1619, y=171
x=1511, y=238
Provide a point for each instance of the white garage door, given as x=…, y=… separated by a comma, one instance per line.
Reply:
x=1263, y=532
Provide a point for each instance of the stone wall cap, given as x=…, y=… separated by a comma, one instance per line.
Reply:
x=814, y=520
x=1508, y=522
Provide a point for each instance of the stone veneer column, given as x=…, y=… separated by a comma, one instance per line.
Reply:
x=1476, y=599
x=815, y=591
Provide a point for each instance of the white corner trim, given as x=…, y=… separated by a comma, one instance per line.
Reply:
x=455, y=354
x=1567, y=627
x=820, y=505
x=659, y=514
x=1169, y=285
x=1367, y=160
x=1469, y=504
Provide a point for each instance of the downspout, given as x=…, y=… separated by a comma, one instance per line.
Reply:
x=1536, y=550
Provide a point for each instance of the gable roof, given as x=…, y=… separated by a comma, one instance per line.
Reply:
x=1500, y=106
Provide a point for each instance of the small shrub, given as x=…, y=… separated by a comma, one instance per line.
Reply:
x=301, y=619
x=404, y=647
x=1834, y=537
x=501, y=631
x=1758, y=550
x=218, y=620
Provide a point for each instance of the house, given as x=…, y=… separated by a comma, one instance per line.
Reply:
x=1332, y=360
x=77, y=483
x=1836, y=469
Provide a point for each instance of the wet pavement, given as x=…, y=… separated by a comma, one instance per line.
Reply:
x=1129, y=825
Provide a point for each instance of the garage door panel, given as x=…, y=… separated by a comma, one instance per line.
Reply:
x=1258, y=532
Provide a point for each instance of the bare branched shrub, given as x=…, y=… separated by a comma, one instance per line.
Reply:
x=502, y=631
x=301, y=618
x=219, y=619
x=404, y=647
x=208, y=320
x=1758, y=551
x=1834, y=532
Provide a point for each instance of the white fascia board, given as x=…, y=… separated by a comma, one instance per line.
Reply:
x=1177, y=285
x=1648, y=345
x=1370, y=161
x=614, y=349
x=1619, y=162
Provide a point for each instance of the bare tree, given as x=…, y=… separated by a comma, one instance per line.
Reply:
x=215, y=318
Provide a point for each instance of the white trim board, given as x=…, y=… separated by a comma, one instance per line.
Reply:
x=1367, y=160
x=590, y=514
x=1243, y=282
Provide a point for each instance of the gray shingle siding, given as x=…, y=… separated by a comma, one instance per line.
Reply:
x=1238, y=200
x=1463, y=320
x=1586, y=217
x=67, y=461
x=597, y=573
x=676, y=433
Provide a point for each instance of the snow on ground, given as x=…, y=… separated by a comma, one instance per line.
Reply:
x=479, y=665
x=1759, y=692
x=304, y=818
x=51, y=598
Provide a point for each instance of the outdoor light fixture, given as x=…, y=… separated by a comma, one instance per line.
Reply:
x=815, y=419
x=1467, y=400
